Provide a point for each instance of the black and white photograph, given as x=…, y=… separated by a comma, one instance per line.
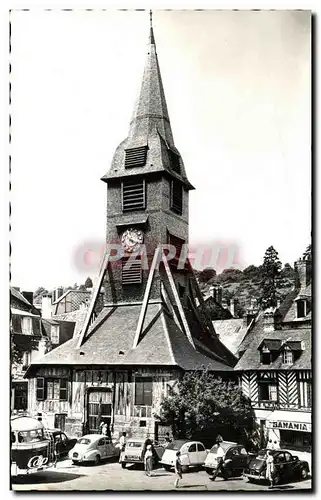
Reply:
x=161, y=261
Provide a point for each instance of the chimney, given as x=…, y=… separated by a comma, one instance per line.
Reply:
x=58, y=292
x=28, y=296
x=232, y=307
x=269, y=321
x=216, y=293
x=304, y=270
x=46, y=306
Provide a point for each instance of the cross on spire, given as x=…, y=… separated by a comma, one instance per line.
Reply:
x=151, y=36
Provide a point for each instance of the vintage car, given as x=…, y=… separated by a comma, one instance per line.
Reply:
x=193, y=454
x=235, y=459
x=135, y=450
x=63, y=443
x=286, y=467
x=93, y=448
x=32, y=448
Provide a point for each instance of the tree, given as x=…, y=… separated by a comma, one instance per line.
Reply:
x=270, y=272
x=202, y=406
x=308, y=253
x=288, y=272
x=206, y=274
x=40, y=291
x=88, y=283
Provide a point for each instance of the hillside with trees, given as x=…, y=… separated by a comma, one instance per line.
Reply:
x=267, y=283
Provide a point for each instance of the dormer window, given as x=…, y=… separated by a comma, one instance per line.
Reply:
x=301, y=308
x=265, y=356
x=287, y=357
x=135, y=157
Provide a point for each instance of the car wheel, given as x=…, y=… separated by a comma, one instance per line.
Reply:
x=97, y=460
x=184, y=468
x=167, y=467
x=304, y=473
x=250, y=479
x=74, y=462
x=209, y=471
x=123, y=465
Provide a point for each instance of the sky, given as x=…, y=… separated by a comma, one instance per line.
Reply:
x=237, y=85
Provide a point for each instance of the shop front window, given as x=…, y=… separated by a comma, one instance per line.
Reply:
x=295, y=440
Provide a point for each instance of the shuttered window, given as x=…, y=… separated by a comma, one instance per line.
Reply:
x=16, y=323
x=133, y=195
x=135, y=157
x=143, y=391
x=56, y=389
x=40, y=389
x=174, y=161
x=177, y=197
x=131, y=271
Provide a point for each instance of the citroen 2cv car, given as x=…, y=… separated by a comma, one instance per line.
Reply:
x=286, y=467
x=235, y=459
x=93, y=448
x=135, y=450
x=193, y=454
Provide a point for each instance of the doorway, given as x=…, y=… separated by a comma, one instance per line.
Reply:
x=99, y=408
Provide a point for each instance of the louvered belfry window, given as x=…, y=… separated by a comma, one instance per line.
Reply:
x=177, y=197
x=133, y=195
x=177, y=243
x=131, y=271
x=174, y=161
x=135, y=157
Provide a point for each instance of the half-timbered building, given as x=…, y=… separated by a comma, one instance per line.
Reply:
x=275, y=367
x=153, y=326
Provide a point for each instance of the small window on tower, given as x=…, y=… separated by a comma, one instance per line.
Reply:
x=174, y=161
x=177, y=197
x=133, y=195
x=131, y=271
x=135, y=157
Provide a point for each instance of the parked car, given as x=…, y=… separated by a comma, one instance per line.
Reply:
x=193, y=453
x=286, y=467
x=135, y=450
x=63, y=443
x=93, y=448
x=235, y=459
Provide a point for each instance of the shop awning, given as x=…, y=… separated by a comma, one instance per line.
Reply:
x=289, y=420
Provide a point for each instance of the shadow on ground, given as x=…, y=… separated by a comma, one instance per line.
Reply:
x=47, y=477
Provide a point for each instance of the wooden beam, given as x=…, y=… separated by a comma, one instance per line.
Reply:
x=146, y=297
x=177, y=300
x=94, y=297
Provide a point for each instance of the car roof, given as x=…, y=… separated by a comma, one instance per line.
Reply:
x=93, y=436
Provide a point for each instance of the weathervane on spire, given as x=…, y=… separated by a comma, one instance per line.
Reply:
x=151, y=18
x=151, y=36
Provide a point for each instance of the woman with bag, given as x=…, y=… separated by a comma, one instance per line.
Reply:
x=270, y=468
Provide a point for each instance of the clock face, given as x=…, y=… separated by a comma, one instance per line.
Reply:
x=132, y=239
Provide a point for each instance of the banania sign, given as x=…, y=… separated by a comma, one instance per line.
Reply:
x=291, y=426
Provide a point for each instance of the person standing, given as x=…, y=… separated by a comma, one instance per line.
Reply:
x=122, y=444
x=148, y=460
x=178, y=469
x=269, y=468
x=220, y=463
x=103, y=428
x=167, y=439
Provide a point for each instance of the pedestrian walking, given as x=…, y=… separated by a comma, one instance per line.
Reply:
x=122, y=444
x=178, y=469
x=270, y=468
x=148, y=460
x=220, y=463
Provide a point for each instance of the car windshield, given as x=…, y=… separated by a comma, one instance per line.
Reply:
x=135, y=444
x=176, y=445
x=83, y=441
x=30, y=436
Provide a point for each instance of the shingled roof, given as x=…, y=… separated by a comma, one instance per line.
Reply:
x=231, y=332
x=110, y=342
x=251, y=359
